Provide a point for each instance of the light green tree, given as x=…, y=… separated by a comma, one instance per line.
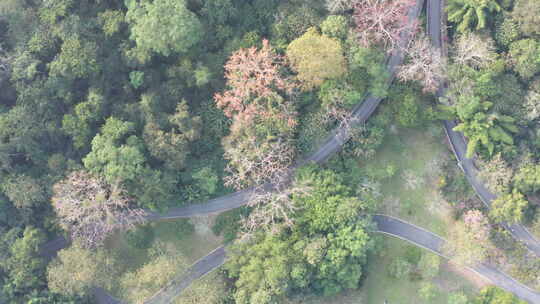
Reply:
x=527, y=14
x=428, y=291
x=24, y=267
x=527, y=179
x=116, y=153
x=471, y=14
x=457, y=298
x=481, y=127
x=525, y=57
x=316, y=58
x=77, y=59
x=163, y=26
x=509, y=207
x=75, y=271
x=429, y=265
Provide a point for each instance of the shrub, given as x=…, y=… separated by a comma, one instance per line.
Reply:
x=140, y=237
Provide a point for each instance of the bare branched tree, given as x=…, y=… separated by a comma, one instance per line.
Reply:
x=254, y=163
x=474, y=50
x=339, y=6
x=425, y=64
x=273, y=209
x=90, y=209
x=382, y=22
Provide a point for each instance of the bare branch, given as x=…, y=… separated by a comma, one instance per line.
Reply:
x=91, y=209
x=382, y=22
x=425, y=65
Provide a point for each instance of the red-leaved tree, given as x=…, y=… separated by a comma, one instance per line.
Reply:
x=258, y=99
x=382, y=22
x=252, y=73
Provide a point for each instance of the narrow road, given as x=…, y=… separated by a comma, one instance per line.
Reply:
x=361, y=112
x=385, y=224
x=199, y=269
x=434, y=243
x=459, y=144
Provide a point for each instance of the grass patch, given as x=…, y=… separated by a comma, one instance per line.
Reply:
x=193, y=239
x=411, y=193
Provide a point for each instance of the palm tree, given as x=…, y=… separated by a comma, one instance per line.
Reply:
x=471, y=13
x=482, y=128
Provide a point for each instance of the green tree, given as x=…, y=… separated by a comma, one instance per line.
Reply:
x=86, y=114
x=325, y=251
x=527, y=14
x=178, y=27
x=527, y=178
x=77, y=59
x=471, y=14
x=509, y=207
x=24, y=191
x=24, y=267
x=525, y=57
x=483, y=128
x=264, y=269
x=457, y=298
x=316, y=57
x=172, y=145
x=116, y=153
x=51, y=12
x=75, y=271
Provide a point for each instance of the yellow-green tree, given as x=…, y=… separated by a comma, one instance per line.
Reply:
x=315, y=58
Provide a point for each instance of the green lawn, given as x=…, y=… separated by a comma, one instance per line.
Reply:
x=411, y=193
x=379, y=286
x=192, y=246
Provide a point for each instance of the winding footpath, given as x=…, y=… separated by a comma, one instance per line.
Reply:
x=385, y=224
x=459, y=143
x=333, y=143
x=434, y=243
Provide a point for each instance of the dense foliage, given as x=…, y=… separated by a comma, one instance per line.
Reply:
x=325, y=251
x=112, y=109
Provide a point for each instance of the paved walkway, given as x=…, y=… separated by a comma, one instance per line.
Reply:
x=459, y=144
x=385, y=224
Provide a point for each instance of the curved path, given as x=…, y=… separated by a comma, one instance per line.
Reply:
x=459, y=144
x=434, y=243
x=385, y=224
x=333, y=143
